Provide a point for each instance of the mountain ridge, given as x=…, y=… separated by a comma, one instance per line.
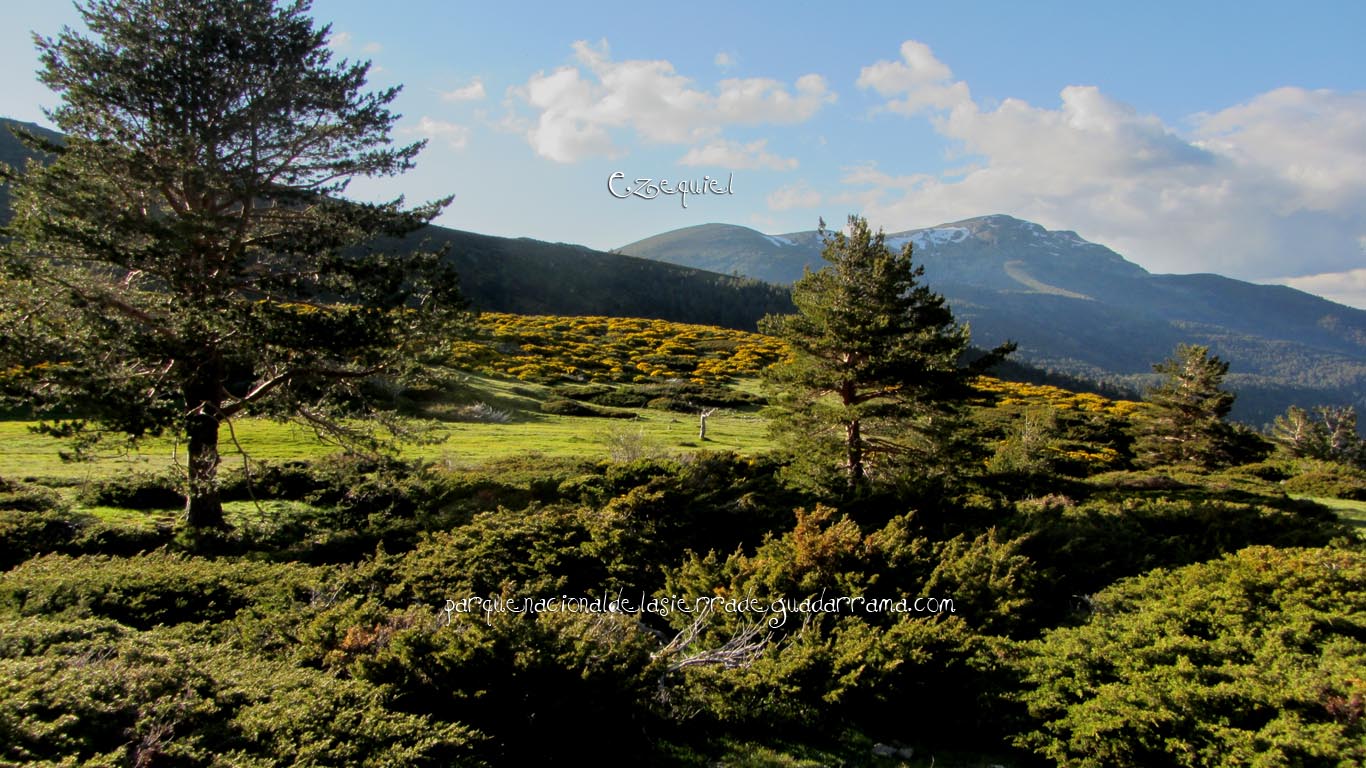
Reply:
x=1080, y=308
x=527, y=276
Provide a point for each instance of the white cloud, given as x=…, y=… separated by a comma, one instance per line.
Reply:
x=474, y=91
x=1275, y=185
x=579, y=107
x=919, y=78
x=1343, y=287
x=761, y=100
x=339, y=41
x=733, y=154
x=724, y=60
x=454, y=135
x=1314, y=141
x=799, y=195
x=371, y=48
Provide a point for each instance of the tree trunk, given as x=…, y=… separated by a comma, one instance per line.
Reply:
x=854, y=445
x=203, y=507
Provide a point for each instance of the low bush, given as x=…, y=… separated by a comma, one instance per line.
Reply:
x=1083, y=548
x=538, y=686
x=622, y=398
x=1322, y=478
x=146, y=590
x=671, y=404
x=288, y=480
x=1252, y=659
x=567, y=407
x=135, y=490
x=28, y=533
x=94, y=692
x=23, y=497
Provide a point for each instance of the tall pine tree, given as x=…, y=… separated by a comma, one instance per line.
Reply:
x=876, y=373
x=187, y=257
x=1184, y=423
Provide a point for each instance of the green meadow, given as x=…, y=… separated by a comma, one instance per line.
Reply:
x=26, y=454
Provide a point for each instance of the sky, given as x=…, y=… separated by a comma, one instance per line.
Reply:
x=1225, y=137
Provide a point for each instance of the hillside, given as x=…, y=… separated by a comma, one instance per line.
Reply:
x=1080, y=308
x=353, y=587
x=532, y=277
x=1077, y=309
x=526, y=276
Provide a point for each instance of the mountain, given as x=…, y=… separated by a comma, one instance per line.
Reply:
x=1079, y=308
x=526, y=276
x=532, y=277
x=14, y=154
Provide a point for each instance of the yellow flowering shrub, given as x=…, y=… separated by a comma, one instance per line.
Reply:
x=549, y=348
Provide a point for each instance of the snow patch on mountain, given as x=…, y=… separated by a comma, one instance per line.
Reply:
x=928, y=237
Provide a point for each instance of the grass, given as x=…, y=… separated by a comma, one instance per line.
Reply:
x=26, y=455
x=34, y=457
x=1351, y=512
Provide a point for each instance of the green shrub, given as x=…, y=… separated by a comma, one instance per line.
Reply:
x=586, y=392
x=622, y=398
x=1271, y=469
x=566, y=407
x=920, y=680
x=22, y=497
x=96, y=693
x=537, y=685
x=28, y=533
x=989, y=574
x=708, y=395
x=151, y=589
x=360, y=503
x=289, y=480
x=135, y=490
x=100, y=537
x=1253, y=659
x=1322, y=478
x=1083, y=548
x=672, y=404
x=546, y=550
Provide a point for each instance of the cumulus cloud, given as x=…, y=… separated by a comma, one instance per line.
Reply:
x=1343, y=287
x=794, y=196
x=761, y=100
x=455, y=136
x=732, y=154
x=579, y=107
x=474, y=91
x=1271, y=187
x=919, y=79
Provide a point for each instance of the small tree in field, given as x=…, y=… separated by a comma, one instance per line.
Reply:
x=876, y=372
x=186, y=258
x=1185, y=423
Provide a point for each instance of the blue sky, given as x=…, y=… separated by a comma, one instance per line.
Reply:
x=1191, y=137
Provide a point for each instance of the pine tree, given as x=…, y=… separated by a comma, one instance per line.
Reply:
x=1299, y=434
x=876, y=374
x=187, y=258
x=1329, y=434
x=1185, y=423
